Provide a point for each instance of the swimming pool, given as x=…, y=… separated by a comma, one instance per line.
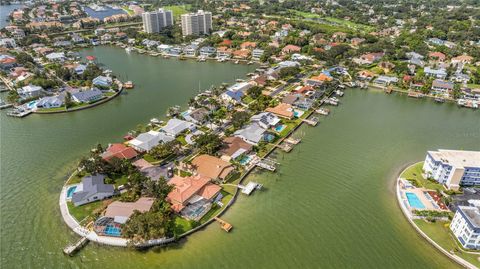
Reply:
x=414, y=201
x=245, y=160
x=70, y=191
x=112, y=231
x=279, y=128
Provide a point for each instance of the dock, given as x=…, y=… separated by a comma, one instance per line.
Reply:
x=267, y=164
x=72, y=249
x=224, y=225
x=311, y=122
x=19, y=113
x=251, y=186
x=4, y=106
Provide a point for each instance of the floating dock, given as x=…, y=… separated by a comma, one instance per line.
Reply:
x=19, y=114
x=224, y=225
x=71, y=249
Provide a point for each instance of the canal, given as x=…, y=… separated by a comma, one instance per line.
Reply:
x=331, y=204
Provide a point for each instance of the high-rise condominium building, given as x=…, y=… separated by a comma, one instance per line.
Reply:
x=155, y=21
x=199, y=23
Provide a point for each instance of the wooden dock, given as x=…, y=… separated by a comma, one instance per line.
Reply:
x=311, y=122
x=224, y=225
x=72, y=249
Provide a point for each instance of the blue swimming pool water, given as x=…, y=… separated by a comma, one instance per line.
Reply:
x=112, y=231
x=245, y=160
x=70, y=191
x=279, y=128
x=295, y=113
x=414, y=201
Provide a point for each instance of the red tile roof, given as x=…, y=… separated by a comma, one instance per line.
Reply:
x=119, y=151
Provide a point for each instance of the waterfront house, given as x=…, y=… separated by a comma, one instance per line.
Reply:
x=442, y=87
x=233, y=147
x=197, y=116
x=265, y=119
x=207, y=51
x=252, y=133
x=385, y=80
x=318, y=80
x=190, y=191
x=453, y=168
x=257, y=54
x=298, y=100
x=366, y=75
x=144, y=142
x=174, y=127
x=439, y=73
x=224, y=52
x=30, y=91
x=120, y=212
x=91, y=189
x=102, y=81
x=241, y=54
x=87, y=96
x=8, y=43
x=212, y=167
x=247, y=45
x=50, y=101
x=282, y=110
x=232, y=96
x=465, y=226
x=190, y=50
x=471, y=94
x=119, y=151
x=175, y=51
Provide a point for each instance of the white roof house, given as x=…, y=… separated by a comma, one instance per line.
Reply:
x=252, y=133
x=175, y=126
x=266, y=119
x=146, y=141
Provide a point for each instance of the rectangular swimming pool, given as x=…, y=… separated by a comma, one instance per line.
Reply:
x=414, y=201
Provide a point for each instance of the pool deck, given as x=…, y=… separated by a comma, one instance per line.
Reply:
x=408, y=214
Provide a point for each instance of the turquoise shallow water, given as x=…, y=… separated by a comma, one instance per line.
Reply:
x=331, y=204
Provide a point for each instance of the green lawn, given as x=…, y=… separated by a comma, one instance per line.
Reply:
x=415, y=173
x=129, y=11
x=247, y=99
x=307, y=15
x=182, y=225
x=178, y=10
x=83, y=211
x=182, y=140
x=440, y=233
x=350, y=24
x=149, y=158
x=62, y=108
x=77, y=178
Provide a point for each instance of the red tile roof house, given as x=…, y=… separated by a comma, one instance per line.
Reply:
x=464, y=59
x=437, y=56
x=291, y=49
x=212, y=167
x=248, y=45
x=119, y=151
x=189, y=190
x=369, y=58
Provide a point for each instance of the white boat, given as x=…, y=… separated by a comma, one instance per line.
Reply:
x=323, y=111
x=237, y=61
x=250, y=63
x=201, y=59
x=155, y=121
x=128, y=49
x=461, y=102
x=239, y=80
x=339, y=93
